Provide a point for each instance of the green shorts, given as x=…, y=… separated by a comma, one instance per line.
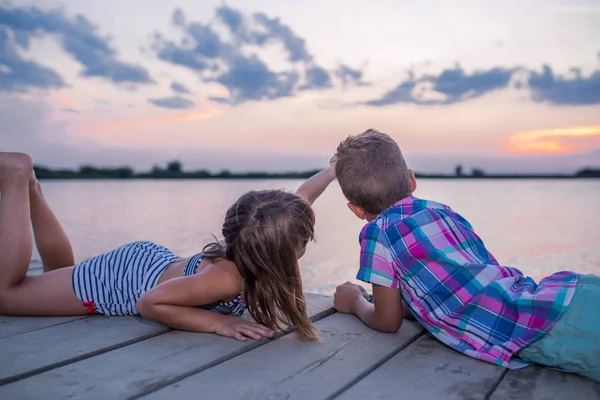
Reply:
x=573, y=345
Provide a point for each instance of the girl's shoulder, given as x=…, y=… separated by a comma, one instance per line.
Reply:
x=222, y=271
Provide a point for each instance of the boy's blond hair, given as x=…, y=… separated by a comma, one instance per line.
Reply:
x=372, y=172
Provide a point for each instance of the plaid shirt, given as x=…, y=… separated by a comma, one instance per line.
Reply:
x=454, y=287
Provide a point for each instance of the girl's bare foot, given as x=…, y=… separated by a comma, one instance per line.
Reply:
x=14, y=168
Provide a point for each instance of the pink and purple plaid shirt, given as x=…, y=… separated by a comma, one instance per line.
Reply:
x=454, y=287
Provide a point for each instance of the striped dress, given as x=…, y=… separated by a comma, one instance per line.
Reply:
x=235, y=307
x=113, y=282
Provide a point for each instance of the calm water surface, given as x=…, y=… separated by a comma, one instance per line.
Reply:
x=537, y=226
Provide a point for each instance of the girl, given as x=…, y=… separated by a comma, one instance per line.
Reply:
x=265, y=232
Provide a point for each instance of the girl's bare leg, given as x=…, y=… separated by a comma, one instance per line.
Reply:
x=50, y=238
x=16, y=242
x=47, y=294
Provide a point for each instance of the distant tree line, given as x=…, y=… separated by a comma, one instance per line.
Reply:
x=174, y=170
x=480, y=173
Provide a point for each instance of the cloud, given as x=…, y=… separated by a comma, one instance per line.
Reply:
x=262, y=30
x=242, y=73
x=78, y=37
x=547, y=87
x=169, y=52
x=249, y=78
x=235, y=21
x=178, y=18
x=179, y=88
x=208, y=42
x=350, y=76
x=18, y=75
x=555, y=141
x=400, y=94
x=316, y=78
x=198, y=50
x=175, y=102
x=449, y=87
x=278, y=32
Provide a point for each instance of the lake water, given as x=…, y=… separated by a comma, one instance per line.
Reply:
x=538, y=226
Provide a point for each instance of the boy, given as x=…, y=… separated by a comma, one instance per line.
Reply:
x=423, y=256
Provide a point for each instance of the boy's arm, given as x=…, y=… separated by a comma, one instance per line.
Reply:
x=378, y=267
x=405, y=311
x=385, y=314
x=314, y=186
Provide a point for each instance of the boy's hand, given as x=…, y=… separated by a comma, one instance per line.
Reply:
x=346, y=296
x=364, y=292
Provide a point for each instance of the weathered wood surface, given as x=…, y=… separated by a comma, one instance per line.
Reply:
x=129, y=358
x=428, y=370
x=10, y=326
x=536, y=383
x=134, y=367
x=36, y=351
x=282, y=368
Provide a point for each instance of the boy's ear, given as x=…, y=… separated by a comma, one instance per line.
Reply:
x=413, y=180
x=359, y=212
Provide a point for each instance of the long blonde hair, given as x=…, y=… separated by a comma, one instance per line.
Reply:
x=263, y=234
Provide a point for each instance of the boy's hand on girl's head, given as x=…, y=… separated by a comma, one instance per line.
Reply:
x=346, y=296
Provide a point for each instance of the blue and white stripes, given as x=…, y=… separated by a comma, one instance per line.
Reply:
x=114, y=281
x=234, y=307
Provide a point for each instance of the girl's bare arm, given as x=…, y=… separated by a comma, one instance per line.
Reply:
x=174, y=303
x=314, y=186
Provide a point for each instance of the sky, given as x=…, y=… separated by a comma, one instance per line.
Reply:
x=506, y=86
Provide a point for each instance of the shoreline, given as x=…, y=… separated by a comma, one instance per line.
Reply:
x=241, y=177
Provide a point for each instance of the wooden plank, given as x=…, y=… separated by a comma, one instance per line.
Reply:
x=142, y=367
x=290, y=369
x=537, y=383
x=428, y=370
x=10, y=326
x=32, y=352
x=317, y=306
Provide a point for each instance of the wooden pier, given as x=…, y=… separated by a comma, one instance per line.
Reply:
x=98, y=357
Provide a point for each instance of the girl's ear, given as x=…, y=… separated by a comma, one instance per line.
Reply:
x=359, y=212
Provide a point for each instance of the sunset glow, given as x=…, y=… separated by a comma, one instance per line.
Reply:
x=555, y=141
x=208, y=111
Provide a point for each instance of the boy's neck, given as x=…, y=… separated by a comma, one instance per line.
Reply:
x=371, y=217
